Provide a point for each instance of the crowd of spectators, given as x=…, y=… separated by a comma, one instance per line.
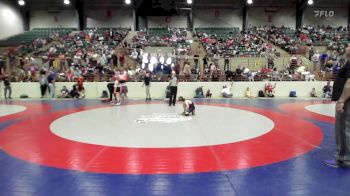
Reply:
x=154, y=37
x=293, y=41
x=87, y=53
x=235, y=44
x=91, y=54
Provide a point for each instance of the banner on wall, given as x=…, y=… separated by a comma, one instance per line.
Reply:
x=269, y=18
x=216, y=13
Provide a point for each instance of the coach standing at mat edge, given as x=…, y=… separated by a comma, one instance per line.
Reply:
x=173, y=88
x=341, y=94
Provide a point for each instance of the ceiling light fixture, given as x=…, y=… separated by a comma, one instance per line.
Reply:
x=21, y=2
x=66, y=2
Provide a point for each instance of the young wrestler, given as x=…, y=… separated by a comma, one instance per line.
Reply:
x=123, y=78
x=188, y=106
x=117, y=91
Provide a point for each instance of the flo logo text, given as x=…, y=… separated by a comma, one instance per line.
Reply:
x=323, y=14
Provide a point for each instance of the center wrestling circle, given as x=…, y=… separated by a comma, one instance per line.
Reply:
x=160, y=126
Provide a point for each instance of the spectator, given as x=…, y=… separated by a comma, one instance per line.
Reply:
x=74, y=92
x=81, y=92
x=122, y=59
x=270, y=89
x=62, y=59
x=208, y=94
x=187, y=69
x=177, y=68
x=196, y=57
x=248, y=93
x=216, y=58
x=199, y=92
x=51, y=78
x=114, y=59
x=226, y=91
x=80, y=88
x=205, y=62
x=69, y=75
x=7, y=87
x=226, y=62
x=134, y=55
x=43, y=84
x=64, y=93
x=2, y=66
x=239, y=71
x=313, y=93
x=213, y=68
x=327, y=90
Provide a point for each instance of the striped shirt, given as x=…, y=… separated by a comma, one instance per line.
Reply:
x=173, y=81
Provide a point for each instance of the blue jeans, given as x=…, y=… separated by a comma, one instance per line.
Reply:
x=342, y=135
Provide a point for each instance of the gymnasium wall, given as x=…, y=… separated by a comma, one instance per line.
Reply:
x=11, y=20
x=340, y=17
x=44, y=19
x=122, y=17
x=217, y=18
x=166, y=21
x=94, y=90
x=261, y=16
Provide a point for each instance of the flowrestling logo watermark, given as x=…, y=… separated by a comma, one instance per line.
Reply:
x=324, y=13
x=162, y=118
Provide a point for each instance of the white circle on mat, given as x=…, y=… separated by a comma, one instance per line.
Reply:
x=10, y=109
x=117, y=126
x=323, y=109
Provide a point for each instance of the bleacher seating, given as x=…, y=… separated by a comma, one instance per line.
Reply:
x=230, y=41
x=160, y=32
x=28, y=36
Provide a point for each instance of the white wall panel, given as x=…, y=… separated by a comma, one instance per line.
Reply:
x=166, y=21
x=217, y=18
x=11, y=21
x=118, y=18
x=258, y=16
x=44, y=19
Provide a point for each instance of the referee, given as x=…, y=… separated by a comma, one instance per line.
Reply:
x=173, y=88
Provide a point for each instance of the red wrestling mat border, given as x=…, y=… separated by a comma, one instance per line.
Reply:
x=33, y=141
x=298, y=109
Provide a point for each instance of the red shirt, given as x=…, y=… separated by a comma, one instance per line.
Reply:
x=80, y=81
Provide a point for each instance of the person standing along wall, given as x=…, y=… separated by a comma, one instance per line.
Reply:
x=51, y=83
x=147, y=84
x=173, y=88
x=341, y=94
x=2, y=66
x=7, y=87
x=43, y=84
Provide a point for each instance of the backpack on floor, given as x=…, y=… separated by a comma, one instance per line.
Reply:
x=261, y=94
x=293, y=94
x=104, y=94
x=24, y=96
